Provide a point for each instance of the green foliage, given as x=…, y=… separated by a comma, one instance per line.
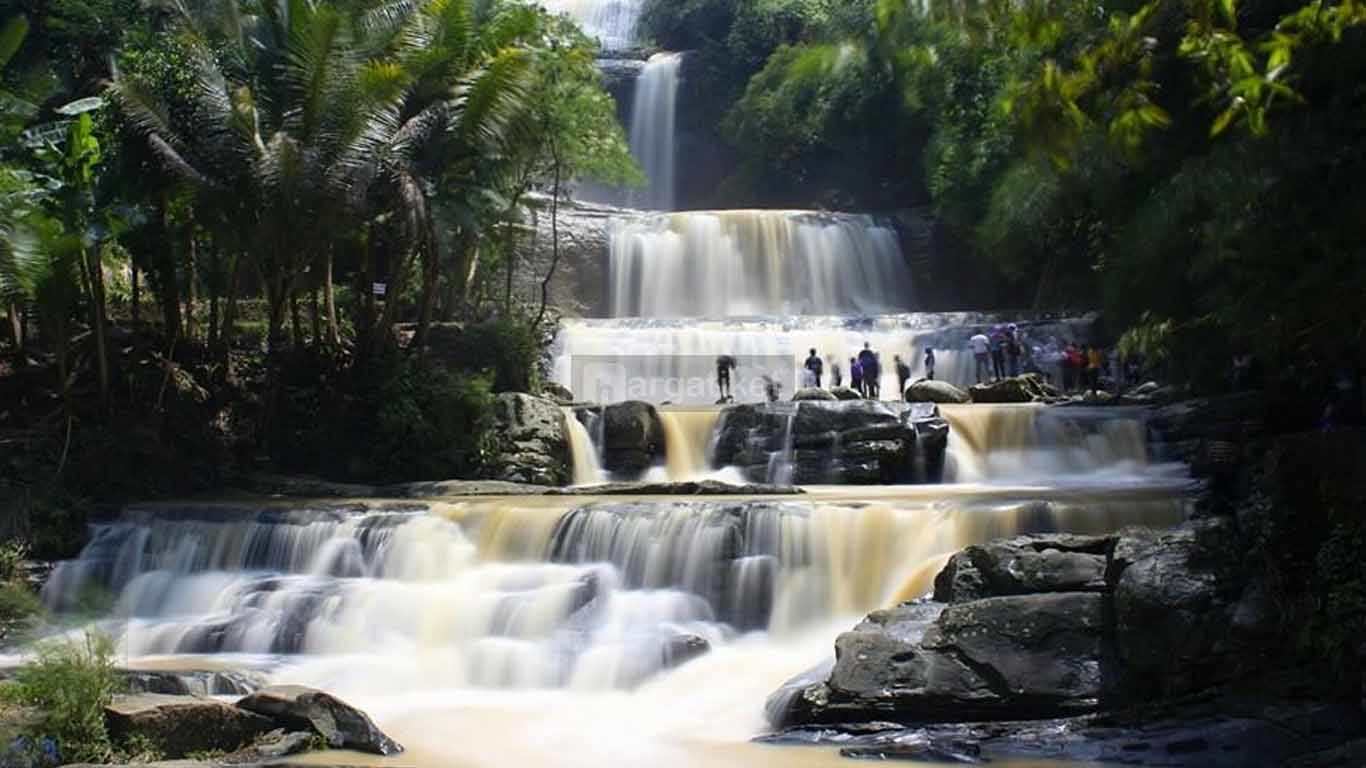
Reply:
x=431, y=423
x=506, y=351
x=70, y=682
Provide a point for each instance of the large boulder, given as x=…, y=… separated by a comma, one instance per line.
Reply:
x=633, y=439
x=340, y=724
x=177, y=726
x=1028, y=388
x=1177, y=600
x=530, y=443
x=844, y=442
x=813, y=393
x=558, y=393
x=1019, y=657
x=845, y=393
x=934, y=391
x=1025, y=565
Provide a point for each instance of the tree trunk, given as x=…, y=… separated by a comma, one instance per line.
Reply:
x=95, y=283
x=554, y=237
x=296, y=327
x=227, y=330
x=431, y=273
x=315, y=316
x=511, y=257
x=16, y=327
x=170, y=284
x=215, y=288
x=191, y=327
x=330, y=302
x=135, y=308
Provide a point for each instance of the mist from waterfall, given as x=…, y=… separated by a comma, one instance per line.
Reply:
x=653, y=113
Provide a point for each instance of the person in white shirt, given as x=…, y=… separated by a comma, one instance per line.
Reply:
x=981, y=352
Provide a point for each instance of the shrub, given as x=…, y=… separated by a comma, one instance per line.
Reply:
x=508, y=350
x=12, y=555
x=70, y=683
x=431, y=423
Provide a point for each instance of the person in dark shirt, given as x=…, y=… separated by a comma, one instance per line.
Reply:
x=929, y=363
x=856, y=375
x=903, y=374
x=871, y=371
x=815, y=367
x=724, y=365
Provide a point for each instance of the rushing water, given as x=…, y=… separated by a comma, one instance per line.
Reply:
x=611, y=22
x=652, y=131
x=744, y=263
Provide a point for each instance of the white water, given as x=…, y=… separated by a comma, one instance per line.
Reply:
x=652, y=131
x=611, y=22
x=748, y=263
x=584, y=451
x=674, y=360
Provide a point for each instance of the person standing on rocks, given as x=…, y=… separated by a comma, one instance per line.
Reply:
x=871, y=370
x=903, y=374
x=981, y=348
x=814, y=368
x=724, y=365
x=998, y=353
x=1095, y=361
x=856, y=376
x=1013, y=349
x=929, y=363
x=836, y=377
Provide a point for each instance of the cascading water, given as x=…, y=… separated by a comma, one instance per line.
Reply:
x=688, y=434
x=584, y=451
x=652, y=131
x=611, y=22
x=750, y=263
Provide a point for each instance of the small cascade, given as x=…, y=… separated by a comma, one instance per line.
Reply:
x=1026, y=442
x=688, y=436
x=584, y=451
x=780, y=464
x=752, y=263
x=652, y=131
x=611, y=22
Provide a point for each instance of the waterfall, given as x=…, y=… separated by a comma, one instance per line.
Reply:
x=780, y=463
x=583, y=450
x=652, y=131
x=750, y=263
x=687, y=441
x=996, y=443
x=611, y=22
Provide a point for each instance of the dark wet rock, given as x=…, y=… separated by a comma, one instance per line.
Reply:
x=192, y=682
x=680, y=488
x=1023, y=656
x=180, y=725
x=845, y=393
x=852, y=442
x=633, y=439
x=1024, y=565
x=1028, y=388
x=813, y=393
x=530, y=443
x=928, y=391
x=302, y=487
x=1217, y=734
x=271, y=747
x=557, y=393
x=950, y=751
x=338, y=723
x=1175, y=598
x=439, y=488
x=681, y=649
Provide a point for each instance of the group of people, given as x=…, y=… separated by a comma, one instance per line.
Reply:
x=997, y=355
x=1081, y=367
x=865, y=371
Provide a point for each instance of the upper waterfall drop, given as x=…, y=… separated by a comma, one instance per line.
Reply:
x=756, y=262
x=611, y=22
x=652, y=131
